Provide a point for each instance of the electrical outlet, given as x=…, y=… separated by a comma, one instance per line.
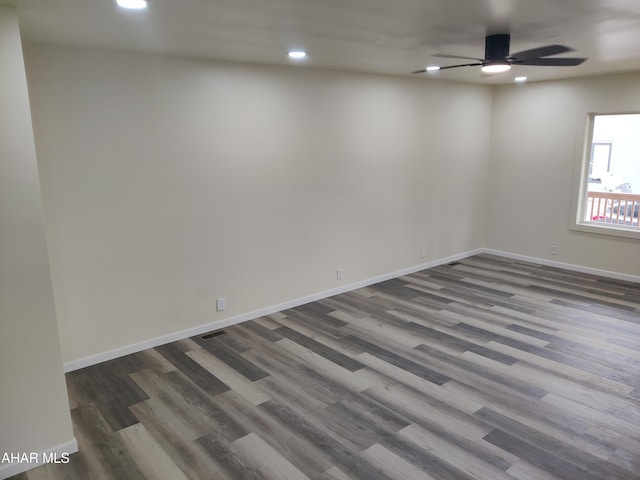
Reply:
x=220, y=304
x=339, y=274
x=554, y=250
x=423, y=252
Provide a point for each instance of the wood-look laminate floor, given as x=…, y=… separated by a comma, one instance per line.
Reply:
x=482, y=369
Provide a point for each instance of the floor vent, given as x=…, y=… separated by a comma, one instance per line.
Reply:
x=207, y=336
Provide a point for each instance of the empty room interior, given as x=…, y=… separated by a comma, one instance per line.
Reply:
x=291, y=239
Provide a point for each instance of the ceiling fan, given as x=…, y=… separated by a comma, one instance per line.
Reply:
x=497, y=58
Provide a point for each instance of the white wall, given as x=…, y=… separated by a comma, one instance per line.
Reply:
x=34, y=411
x=537, y=141
x=169, y=182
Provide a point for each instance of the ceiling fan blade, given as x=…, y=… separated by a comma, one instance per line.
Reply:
x=424, y=70
x=540, y=52
x=463, y=65
x=443, y=55
x=552, y=62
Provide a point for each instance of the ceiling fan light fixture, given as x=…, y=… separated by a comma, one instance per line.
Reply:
x=496, y=67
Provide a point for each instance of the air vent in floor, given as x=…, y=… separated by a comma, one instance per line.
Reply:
x=207, y=336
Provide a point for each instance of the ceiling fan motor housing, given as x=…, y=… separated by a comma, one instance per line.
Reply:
x=497, y=46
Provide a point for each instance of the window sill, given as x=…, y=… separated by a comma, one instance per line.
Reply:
x=612, y=230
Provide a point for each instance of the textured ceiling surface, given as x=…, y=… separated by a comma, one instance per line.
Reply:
x=382, y=36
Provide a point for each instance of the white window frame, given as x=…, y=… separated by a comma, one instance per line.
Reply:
x=581, y=176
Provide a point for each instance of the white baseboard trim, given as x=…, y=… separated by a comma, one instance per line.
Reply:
x=217, y=325
x=10, y=469
x=565, y=266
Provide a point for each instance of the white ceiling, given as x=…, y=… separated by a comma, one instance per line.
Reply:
x=383, y=36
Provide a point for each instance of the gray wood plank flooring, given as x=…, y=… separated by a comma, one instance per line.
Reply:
x=486, y=369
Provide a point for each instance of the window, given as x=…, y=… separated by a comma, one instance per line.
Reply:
x=600, y=158
x=610, y=182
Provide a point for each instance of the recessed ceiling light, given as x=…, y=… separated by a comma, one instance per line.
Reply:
x=297, y=54
x=496, y=67
x=520, y=79
x=133, y=4
x=433, y=68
